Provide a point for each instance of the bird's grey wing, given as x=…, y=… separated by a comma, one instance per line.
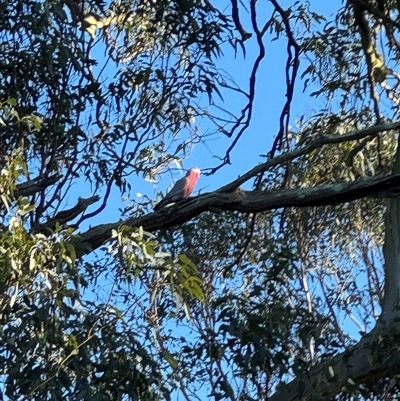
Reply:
x=177, y=190
x=173, y=195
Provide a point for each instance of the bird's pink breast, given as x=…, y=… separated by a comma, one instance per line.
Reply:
x=190, y=184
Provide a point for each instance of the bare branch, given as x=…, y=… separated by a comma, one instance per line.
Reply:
x=292, y=66
x=238, y=24
x=318, y=143
x=244, y=120
x=68, y=215
x=36, y=185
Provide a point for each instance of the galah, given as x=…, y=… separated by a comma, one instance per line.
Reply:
x=182, y=188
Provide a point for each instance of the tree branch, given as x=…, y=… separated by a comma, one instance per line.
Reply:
x=68, y=215
x=391, y=250
x=375, y=356
x=318, y=143
x=36, y=185
x=244, y=201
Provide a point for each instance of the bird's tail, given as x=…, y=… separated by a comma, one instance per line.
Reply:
x=160, y=204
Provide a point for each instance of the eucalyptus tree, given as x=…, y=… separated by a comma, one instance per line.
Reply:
x=287, y=291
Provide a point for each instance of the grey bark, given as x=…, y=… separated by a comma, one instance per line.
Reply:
x=244, y=201
x=377, y=354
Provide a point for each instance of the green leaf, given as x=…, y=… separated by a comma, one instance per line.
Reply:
x=11, y=101
x=170, y=359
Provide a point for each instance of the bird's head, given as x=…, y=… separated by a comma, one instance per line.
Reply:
x=194, y=171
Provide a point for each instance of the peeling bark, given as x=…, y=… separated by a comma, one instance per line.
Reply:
x=377, y=354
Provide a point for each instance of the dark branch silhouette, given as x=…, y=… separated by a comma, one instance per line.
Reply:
x=38, y=184
x=68, y=215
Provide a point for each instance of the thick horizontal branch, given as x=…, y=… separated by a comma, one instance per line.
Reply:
x=38, y=184
x=245, y=201
x=375, y=356
x=318, y=143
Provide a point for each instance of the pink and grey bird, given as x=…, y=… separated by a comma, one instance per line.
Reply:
x=182, y=188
